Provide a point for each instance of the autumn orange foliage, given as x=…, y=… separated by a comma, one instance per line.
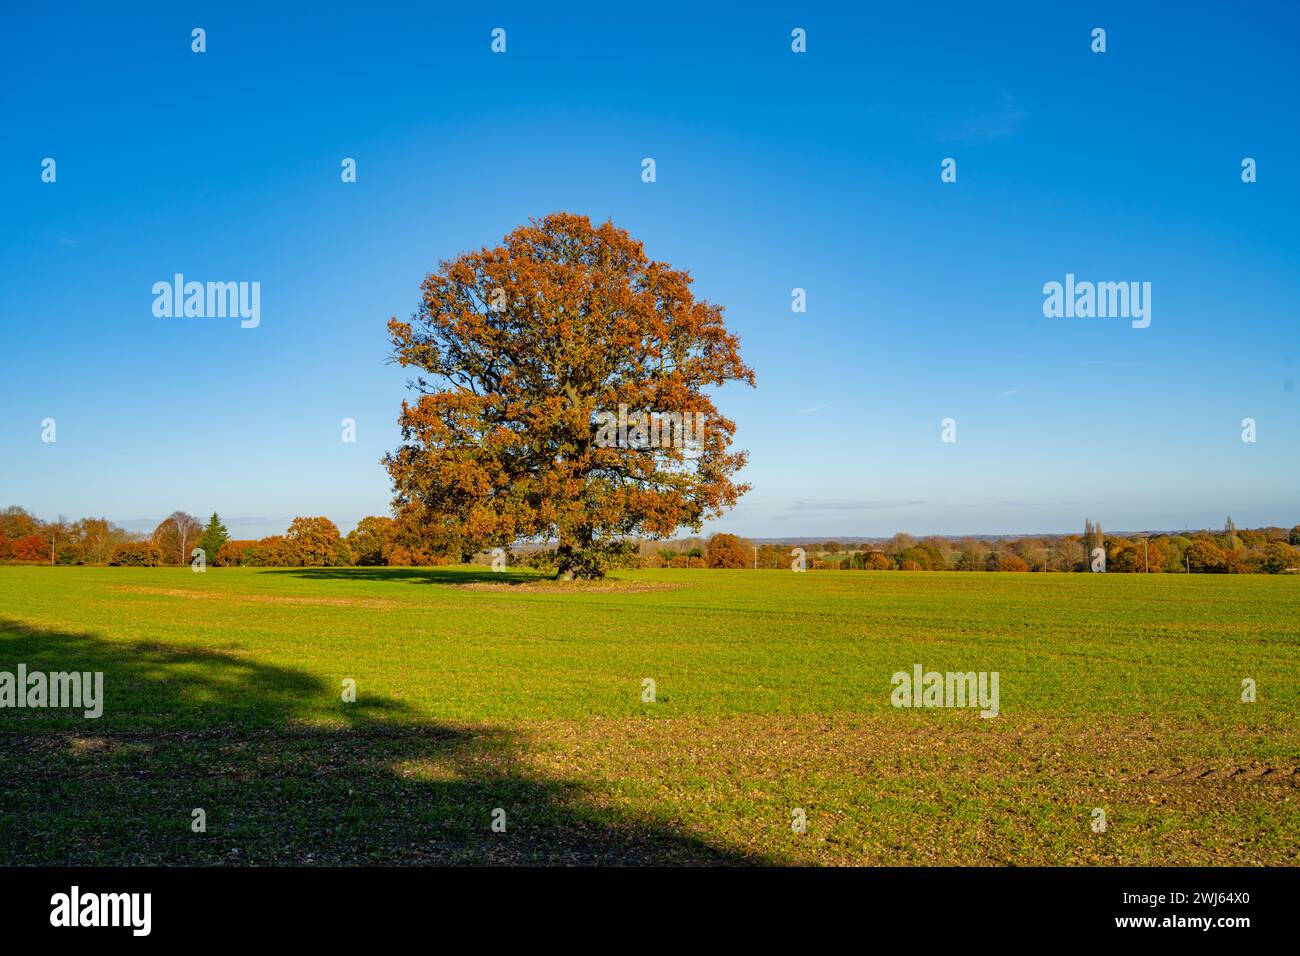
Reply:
x=521, y=347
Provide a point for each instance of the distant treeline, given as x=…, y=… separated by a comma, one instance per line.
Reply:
x=1233, y=550
x=378, y=541
x=309, y=542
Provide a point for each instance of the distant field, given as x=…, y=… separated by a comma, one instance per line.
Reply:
x=478, y=691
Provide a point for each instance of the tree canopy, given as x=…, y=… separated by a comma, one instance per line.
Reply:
x=213, y=537
x=526, y=350
x=176, y=535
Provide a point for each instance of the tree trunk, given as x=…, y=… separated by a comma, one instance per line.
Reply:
x=573, y=558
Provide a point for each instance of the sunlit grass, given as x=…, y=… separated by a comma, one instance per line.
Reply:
x=770, y=688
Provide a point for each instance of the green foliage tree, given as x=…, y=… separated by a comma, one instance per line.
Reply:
x=213, y=537
x=1175, y=548
x=927, y=559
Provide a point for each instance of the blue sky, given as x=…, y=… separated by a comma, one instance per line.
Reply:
x=775, y=170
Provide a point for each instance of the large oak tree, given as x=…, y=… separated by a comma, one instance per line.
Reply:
x=524, y=350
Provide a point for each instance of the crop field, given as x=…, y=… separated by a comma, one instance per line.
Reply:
x=672, y=716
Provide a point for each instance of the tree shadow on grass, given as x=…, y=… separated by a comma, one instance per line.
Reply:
x=187, y=729
x=442, y=575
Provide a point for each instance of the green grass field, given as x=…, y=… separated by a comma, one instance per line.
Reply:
x=477, y=691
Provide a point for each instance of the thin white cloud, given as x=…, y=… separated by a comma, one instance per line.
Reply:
x=815, y=408
x=805, y=507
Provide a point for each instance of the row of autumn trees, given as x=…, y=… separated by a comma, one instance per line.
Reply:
x=316, y=542
x=1271, y=550
x=24, y=538
x=308, y=542
x=378, y=540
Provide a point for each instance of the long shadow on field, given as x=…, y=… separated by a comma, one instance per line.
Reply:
x=443, y=575
x=379, y=787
